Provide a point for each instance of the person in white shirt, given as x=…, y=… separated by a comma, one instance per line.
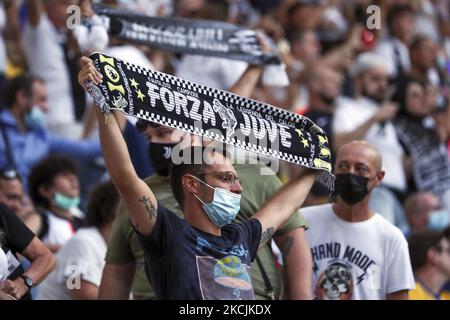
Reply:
x=55, y=190
x=423, y=52
x=357, y=254
x=2, y=46
x=44, y=40
x=394, y=49
x=368, y=117
x=80, y=262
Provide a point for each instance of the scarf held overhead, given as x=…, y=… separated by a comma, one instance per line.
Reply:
x=212, y=113
x=201, y=37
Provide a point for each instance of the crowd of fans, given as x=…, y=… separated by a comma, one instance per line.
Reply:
x=386, y=83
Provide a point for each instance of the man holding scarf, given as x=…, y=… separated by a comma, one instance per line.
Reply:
x=204, y=243
x=125, y=257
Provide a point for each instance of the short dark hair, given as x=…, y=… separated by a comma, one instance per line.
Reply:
x=395, y=11
x=446, y=233
x=21, y=83
x=177, y=171
x=102, y=205
x=44, y=173
x=419, y=243
x=417, y=41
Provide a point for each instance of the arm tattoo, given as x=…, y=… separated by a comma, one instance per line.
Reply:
x=151, y=210
x=287, y=247
x=266, y=235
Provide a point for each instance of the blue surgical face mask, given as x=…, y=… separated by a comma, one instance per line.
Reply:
x=65, y=202
x=224, y=207
x=439, y=219
x=35, y=118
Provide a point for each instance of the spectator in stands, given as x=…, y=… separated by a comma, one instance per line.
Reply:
x=17, y=238
x=54, y=189
x=423, y=52
x=14, y=197
x=424, y=210
x=27, y=140
x=430, y=259
x=357, y=254
x=428, y=166
x=83, y=255
x=52, y=55
x=394, y=50
x=125, y=254
x=324, y=87
x=368, y=116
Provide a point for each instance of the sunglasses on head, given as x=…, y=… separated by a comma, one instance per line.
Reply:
x=9, y=174
x=142, y=125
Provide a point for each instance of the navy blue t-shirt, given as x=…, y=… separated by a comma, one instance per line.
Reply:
x=183, y=262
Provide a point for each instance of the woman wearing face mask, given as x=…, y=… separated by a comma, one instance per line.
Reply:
x=54, y=189
x=429, y=168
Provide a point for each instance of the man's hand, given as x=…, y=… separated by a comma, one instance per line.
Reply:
x=88, y=72
x=387, y=112
x=16, y=288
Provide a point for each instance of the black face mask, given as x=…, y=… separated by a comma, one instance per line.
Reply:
x=351, y=188
x=160, y=154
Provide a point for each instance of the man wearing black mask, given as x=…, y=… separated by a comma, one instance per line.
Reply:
x=163, y=140
x=357, y=254
x=368, y=116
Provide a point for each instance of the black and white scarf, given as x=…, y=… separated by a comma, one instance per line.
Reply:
x=431, y=167
x=201, y=37
x=212, y=113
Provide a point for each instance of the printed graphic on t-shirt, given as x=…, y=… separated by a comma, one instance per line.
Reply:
x=224, y=279
x=335, y=283
x=341, y=270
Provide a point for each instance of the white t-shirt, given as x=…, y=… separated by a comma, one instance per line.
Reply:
x=59, y=230
x=2, y=41
x=45, y=56
x=360, y=261
x=82, y=258
x=3, y=265
x=213, y=72
x=387, y=48
x=352, y=113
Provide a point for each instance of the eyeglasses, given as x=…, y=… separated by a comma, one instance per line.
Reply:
x=441, y=250
x=9, y=174
x=141, y=125
x=226, y=177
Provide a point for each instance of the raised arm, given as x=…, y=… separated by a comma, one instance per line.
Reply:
x=139, y=199
x=35, y=11
x=247, y=82
x=249, y=79
x=284, y=203
x=386, y=113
